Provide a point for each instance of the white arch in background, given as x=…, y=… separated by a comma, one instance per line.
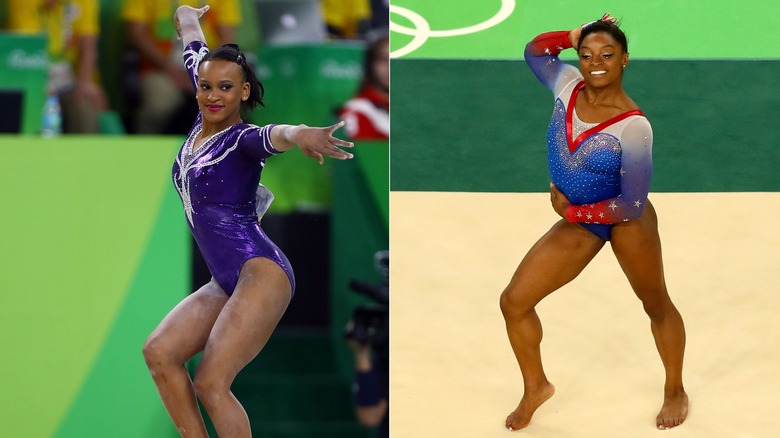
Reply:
x=422, y=29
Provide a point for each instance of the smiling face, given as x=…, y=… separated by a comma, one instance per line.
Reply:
x=221, y=90
x=602, y=60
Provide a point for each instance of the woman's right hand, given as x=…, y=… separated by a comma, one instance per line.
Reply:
x=187, y=14
x=559, y=201
x=574, y=37
x=574, y=34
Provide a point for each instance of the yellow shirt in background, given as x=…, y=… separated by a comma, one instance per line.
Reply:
x=345, y=15
x=64, y=22
x=158, y=14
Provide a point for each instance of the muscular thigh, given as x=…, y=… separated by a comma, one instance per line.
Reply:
x=637, y=246
x=184, y=331
x=556, y=259
x=248, y=318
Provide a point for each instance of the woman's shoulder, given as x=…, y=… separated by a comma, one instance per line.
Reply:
x=569, y=79
x=254, y=140
x=628, y=104
x=638, y=128
x=246, y=127
x=249, y=133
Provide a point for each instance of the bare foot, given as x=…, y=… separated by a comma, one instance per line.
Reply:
x=530, y=402
x=673, y=412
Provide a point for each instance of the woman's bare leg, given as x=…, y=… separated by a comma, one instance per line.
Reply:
x=637, y=247
x=181, y=335
x=241, y=331
x=556, y=259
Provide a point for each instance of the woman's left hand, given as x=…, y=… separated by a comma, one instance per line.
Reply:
x=187, y=14
x=316, y=142
x=558, y=200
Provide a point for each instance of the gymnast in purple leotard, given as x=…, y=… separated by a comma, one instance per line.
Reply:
x=217, y=174
x=599, y=153
x=218, y=185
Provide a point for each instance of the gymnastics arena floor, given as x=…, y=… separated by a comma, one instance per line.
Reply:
x=453, y=373
x=467, y=168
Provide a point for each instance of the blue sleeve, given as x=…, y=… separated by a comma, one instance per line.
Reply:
x=636, y=161
x=541, y=54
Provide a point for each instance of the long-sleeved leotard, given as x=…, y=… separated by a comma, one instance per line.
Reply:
x=603, y=169
x=218, y=186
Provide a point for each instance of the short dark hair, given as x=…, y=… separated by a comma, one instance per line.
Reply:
x=606, y=27
x=232, y=53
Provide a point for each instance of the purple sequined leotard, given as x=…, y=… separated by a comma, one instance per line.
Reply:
x=218, y=185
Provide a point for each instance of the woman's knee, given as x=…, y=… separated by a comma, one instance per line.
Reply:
x=159, y=351
x=203, y=385
x=209, y=385
x=657, y=305
x=151, y=349
x=155, y=352
x=513, y=302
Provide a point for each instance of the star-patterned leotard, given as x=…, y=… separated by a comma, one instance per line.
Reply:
x=604, y=169
x=218, y=186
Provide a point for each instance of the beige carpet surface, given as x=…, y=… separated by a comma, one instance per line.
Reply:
x=453, y=373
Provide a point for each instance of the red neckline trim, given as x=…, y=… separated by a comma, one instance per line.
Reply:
x=573, y=143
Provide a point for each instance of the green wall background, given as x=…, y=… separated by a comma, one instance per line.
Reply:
x=481, y=125
x=468, y=114
x=359, y=228
x=97, y=234
x=658, y=29
x=94, y=254
x=24, y=66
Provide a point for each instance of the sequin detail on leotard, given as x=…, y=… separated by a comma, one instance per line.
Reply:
x=589, y=174
x=218, y=184
x=187, y=161
x=603, y=169
x=578, y=126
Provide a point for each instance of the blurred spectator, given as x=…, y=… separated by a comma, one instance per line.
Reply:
x=380, y=14
x=367, y=334
x=371, y=387
x=167, y=103
x=349, y=19
x=72, y=29
x=367, y=114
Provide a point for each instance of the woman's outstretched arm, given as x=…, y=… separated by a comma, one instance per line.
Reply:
x=313, y=142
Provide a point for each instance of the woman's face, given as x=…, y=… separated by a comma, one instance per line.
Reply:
x=221, y=89
x=602, y=59
x=381, y=65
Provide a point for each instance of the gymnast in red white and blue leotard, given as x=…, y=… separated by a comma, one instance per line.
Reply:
x=604, y=169
x=600, y=174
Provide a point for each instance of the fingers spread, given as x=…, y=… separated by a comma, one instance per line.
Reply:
x=338, y=153
x=333, y=151
x=317, y=156
x=342, y=143
x=338, y=125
